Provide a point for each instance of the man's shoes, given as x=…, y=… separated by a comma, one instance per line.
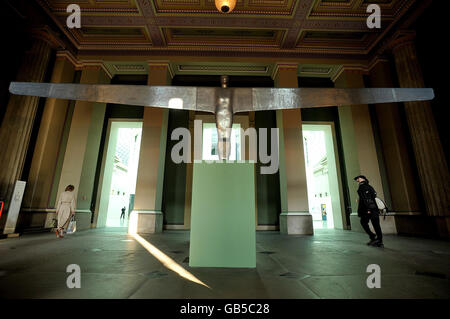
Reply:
x=371, y=242
x=378, y=243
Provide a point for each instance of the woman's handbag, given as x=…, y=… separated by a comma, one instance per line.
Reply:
x=54, y=223
x=72, y=226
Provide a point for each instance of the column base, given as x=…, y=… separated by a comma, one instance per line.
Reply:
x=403, y=223
x=145, y=222
x=442, y=226
x=43, y=218
x=82, y=217
x=388, y=225
x=292, y=223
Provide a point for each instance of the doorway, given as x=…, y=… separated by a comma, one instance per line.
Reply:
x=210, y=151
x=119, y=173
x=322, y=174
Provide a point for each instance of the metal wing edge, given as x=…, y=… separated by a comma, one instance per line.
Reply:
x=292, y=98
x=171, y=97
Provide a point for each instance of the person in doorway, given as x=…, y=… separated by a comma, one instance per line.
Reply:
x=123, y=213
x=65, y=209
x=368, y=211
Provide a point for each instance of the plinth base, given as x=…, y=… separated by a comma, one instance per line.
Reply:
x=223, y=215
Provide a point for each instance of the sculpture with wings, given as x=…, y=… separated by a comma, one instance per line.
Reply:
x=223, y=101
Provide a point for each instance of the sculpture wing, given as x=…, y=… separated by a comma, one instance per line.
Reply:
x=172, y=97
x=261, y=99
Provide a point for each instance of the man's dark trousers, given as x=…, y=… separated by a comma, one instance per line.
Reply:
x=375, y=219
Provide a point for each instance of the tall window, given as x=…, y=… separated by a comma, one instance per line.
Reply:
x=210, y=141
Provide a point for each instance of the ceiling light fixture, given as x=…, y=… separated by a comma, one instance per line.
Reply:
x=225, y=6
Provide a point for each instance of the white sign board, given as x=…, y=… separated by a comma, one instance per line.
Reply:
x=14, y=207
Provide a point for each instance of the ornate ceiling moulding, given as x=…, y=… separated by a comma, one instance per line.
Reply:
x=129, y=68
x=316, y=71
x=111, y=37
x=272, y=49
x=84, y=64
x=345, y=42
x=119, y=7
x=221, y=37
x=356, y=9
x=222, y=69
x=262, y=56
x=110, y=27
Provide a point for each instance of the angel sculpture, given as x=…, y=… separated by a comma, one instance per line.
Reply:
x=223, y=101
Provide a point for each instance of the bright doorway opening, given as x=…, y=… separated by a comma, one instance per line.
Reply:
x=120, y=168
x=322, y=174
x=210, y=151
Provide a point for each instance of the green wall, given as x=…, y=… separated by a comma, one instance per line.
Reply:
x=174, y=190
x=267, y=186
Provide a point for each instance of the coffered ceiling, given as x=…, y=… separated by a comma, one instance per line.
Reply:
x=273, y=28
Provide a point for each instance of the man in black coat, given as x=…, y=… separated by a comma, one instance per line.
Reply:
x=368, y=211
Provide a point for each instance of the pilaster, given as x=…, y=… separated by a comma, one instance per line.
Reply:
x=149, y=186
x=295, y=217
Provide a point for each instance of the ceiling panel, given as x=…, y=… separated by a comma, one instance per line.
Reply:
x=273, y=27
x=222, y=36
x=251, y=7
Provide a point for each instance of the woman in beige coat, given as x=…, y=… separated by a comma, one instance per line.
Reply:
x=65, y=209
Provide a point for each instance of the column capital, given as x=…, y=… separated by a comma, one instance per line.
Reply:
x=377, y=59
x=399, y=39
x=67, y=55
x=350, y=69
x=46, y=34
x=362, y=69
x=84, y=64
x=161, y=65
x=95, y=65
x=285, y=67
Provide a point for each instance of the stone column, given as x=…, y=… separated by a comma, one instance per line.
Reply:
x=430, y=159
x=149, y=185
x=18, y=121
x=400, y=177
x=295, y=217
x=45, y=155
x=360, y=153
x=81, y=155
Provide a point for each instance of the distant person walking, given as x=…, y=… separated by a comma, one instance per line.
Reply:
x=123, y=213
x=368, y=211
x=65, y=209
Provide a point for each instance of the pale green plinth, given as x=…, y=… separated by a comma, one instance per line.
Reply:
x=223, y=215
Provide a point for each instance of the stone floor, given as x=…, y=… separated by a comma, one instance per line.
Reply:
x=330, y=264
